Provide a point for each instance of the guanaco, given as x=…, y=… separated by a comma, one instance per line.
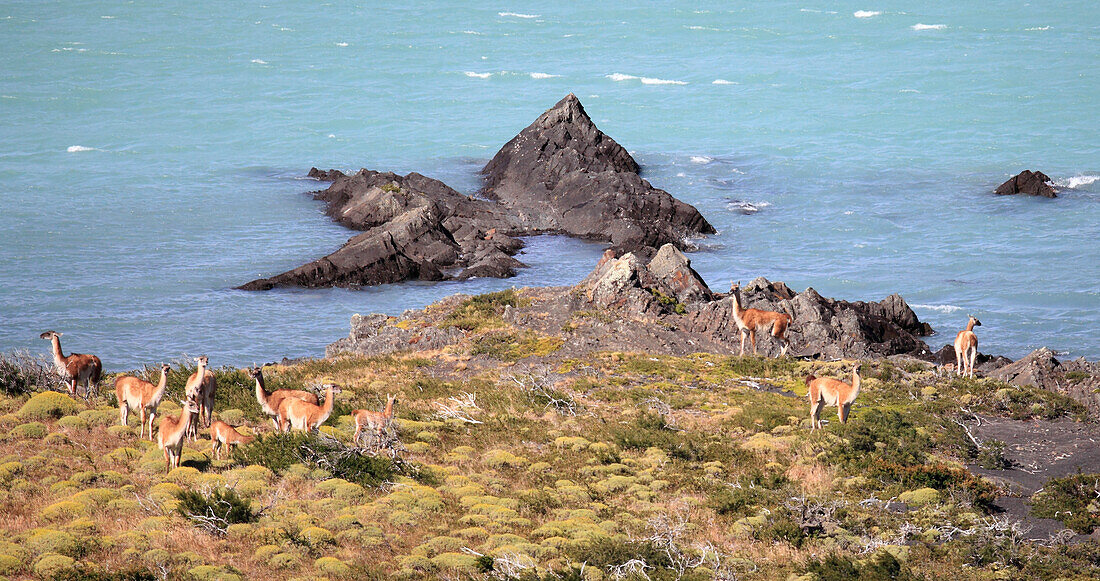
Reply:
x=173, y=431
x=302, y=415
x=269, y=402
x=76, y=367
x=137, y=394
x=223, y=434
x=750, y=320
x=376, y=422
x=200, y=387
x=826, y=391
x=966, y=348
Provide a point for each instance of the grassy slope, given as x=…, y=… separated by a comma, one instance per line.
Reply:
x=571, y=461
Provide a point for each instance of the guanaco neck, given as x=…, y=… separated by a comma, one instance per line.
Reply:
x=58, y=356
x=855, y=385
x=159, y=393
x=261, y=395
x=738, y=311
x=388, y=412
x=182, y=426
x=970, y=325
x=326, y=409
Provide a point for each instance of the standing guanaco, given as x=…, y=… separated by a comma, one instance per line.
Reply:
x=750, y=320
x=966, y=348
x=76, y=367
x=222, y=433
x=134, y=393
x=200, y=387
x=302, y=415
x=376, y=422
x=269, y=402
x=826, y=391
x=173, y=431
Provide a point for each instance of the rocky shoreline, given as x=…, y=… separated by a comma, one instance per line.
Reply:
x=560, y=175
x=662, y=306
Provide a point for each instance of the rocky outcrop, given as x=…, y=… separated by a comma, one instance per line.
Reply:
x=1078, y=379
x=1030, y=183
x=562, y=174
x=377, y=334
x=415, y=228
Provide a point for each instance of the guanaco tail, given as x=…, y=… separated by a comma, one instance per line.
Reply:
x=136, y=394
x=750, y=320
x=825, y=391
x=966, y=348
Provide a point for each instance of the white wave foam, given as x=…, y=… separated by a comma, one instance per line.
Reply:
x=473, y=32
x=919, y=26
x=908, y=91
x=1077, y=181
x=938, y=308
x=746, y=207
x=866, y=13
x=79, y=148
x=620, y=77
x=107, y=17
x=710, y=28
x=332, y=136
x=722, y=82
x=478, y=75
x=259, y=61
x=653, y=81
x=543, y=76
x=1037, y=28
x=341, y=44
x=701, y=159
x=517, y=15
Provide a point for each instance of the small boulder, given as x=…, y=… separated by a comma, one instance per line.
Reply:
x=1028, y=182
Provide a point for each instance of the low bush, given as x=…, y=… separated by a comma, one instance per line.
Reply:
x=483, y=311
x=216, y=511
x=883, y=567
x=279, y=451
x=21, y=373
x=1074, y=500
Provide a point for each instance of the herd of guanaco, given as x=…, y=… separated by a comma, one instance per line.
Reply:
x=301, y=410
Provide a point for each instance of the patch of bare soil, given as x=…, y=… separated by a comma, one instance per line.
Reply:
x=1038, y=450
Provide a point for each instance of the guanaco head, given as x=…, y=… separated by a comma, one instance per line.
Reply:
x=255, y=372
x=975, y=320
x=735, y=286
x=165, y=368
x=203, y=361
x=190, y=405
x=49, y=335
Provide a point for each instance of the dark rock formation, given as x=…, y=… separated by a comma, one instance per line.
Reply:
x=1030, y=183
x=415, y=227
x=562, y=174
x=378, y=334
x=1078, y=379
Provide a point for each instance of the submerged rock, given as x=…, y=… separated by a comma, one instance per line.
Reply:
x=1028, y=182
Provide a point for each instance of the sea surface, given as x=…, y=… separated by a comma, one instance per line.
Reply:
x=152, y=154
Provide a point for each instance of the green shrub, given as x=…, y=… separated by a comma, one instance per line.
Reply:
x=280, y=451
x=21, y=372
x=49, y=405
x=52, y=564
x=84, y=572
x=733, y=501
x=992, y=456
x=1074, y=500
x=483, y=311
x=30, y=431
x=515, y=346
x=216, y=511
x=883, y=567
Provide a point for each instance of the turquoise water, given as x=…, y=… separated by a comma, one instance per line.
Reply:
x=151, y=154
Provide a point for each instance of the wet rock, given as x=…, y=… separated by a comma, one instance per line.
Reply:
x=562, y=174
x=1030, y=183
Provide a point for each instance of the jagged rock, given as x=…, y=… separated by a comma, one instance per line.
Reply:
x=562, y=174
x=1078, y=379
x=1030, y=183
x=822, y=327
x=674, y=272
x=411, y=224
x=377, y=334
x=983, y=363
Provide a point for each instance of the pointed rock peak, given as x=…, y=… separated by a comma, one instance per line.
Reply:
x=568, y=110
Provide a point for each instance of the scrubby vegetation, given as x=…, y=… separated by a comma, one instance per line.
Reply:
x=512, y=460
